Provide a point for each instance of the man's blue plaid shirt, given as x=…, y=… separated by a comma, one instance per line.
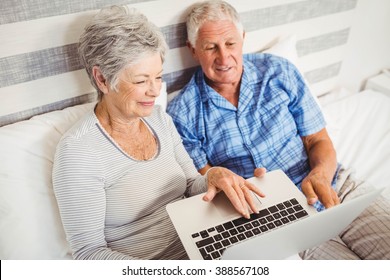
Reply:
x=275, y=109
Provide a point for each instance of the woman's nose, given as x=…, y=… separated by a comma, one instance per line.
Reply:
x=154, y=88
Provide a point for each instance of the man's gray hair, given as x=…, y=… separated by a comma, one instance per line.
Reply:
x=211, y=10
x=116, y=38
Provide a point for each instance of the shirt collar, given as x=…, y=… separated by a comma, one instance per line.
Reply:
x=249, y=77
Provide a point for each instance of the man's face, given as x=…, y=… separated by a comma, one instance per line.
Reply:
x=218, y=49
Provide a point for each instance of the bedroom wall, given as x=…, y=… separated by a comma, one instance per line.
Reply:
x=368, y=49
x=38, y=49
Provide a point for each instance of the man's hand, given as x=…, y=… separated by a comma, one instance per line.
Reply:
x=236, y=188
x=260, y=172
x=316, y=186
x=323, y=164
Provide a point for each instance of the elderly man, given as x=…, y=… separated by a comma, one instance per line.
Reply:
x=254, y=112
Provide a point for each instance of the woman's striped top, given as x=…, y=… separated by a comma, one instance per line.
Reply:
x=112, y=206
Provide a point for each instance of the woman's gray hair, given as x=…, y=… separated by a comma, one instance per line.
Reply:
x=116, y=38
x=211, y=10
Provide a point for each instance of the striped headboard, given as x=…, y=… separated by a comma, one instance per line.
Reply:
x=40, y=71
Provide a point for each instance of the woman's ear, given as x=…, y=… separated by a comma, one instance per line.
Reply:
x=100, y=79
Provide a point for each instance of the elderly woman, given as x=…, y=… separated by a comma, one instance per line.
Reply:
x=118, y=167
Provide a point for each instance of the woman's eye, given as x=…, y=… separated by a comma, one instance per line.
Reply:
x=140, y=82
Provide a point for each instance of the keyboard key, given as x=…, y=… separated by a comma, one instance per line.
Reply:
x=263, y=221
x=271, y=225
x=255, y=223
x=263, y=213
x=301, y=214
x=277, y=215
x=248, y=234
x=211, y=229
x=263, y=228
x=203, y=252
x=241, y=229
x=285, y=220
x=291, y=218
x=233, y=239
x=226, y=242
x=215, y=255
x=233, y=231
x=298, y=207
x=204, y=234
x=218, y=245
x=287, y=204
x=270, y=218
x=278, y=223
x=205, y=242
x=209, y=248
x=241, y=236
x=218, y=237
x=273, y=209
x=195, y=235
x=240, y=221
x=225, y=234
x=281, y=206
x=219, y=228
x=290, y=210
x=294, y=201
x=248, y=226
x=228, y=225
x=283, y=213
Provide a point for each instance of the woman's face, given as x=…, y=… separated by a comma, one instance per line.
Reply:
x=138, y=88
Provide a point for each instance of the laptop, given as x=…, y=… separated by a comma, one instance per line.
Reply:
x=284, y=226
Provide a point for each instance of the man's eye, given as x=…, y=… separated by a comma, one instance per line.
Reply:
x=210, y=48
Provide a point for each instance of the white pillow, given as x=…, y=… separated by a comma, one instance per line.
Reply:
x=30, y=223
x=286, y=47
x=162, y=98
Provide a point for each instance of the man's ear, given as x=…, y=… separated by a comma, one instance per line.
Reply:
x=100, y=79
x=192, y=50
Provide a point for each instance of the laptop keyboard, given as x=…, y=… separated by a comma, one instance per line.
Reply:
x=211, y=242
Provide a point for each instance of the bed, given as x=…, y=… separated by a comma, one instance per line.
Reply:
x=44, y=92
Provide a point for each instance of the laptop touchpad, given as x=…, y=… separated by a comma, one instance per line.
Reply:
x=226, y=209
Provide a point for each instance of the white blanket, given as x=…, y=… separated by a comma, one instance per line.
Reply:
x=360, y=131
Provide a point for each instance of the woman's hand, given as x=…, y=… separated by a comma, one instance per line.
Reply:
x=236, y=188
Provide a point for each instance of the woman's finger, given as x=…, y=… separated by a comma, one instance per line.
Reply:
x=254, y=189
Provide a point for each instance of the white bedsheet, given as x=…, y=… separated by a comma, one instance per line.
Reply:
x=360, y=130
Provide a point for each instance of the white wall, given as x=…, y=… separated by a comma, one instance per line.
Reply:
x=368, y=49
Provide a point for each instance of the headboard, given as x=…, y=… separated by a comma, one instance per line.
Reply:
x=40, y=71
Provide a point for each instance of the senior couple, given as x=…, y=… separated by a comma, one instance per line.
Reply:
x=240, y=115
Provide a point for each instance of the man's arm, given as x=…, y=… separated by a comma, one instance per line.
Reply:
x=204, y=169
x=323, y=163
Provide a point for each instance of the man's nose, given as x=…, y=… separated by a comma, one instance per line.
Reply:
x=223, y=55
